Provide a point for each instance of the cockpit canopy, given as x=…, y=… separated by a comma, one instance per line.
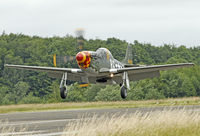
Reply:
x=104, y=53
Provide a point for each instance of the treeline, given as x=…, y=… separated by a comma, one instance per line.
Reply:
x=20, y=86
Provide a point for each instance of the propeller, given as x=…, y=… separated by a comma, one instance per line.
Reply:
x=58, y=59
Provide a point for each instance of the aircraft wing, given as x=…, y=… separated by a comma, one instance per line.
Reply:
x=142, y=72
x=75, y=74
x=143, y=69
x=135, y=73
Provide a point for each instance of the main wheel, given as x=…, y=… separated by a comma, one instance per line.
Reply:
x=123, y=92
x=63, y=92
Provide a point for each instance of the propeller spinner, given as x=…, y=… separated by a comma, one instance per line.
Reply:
x=83, y=59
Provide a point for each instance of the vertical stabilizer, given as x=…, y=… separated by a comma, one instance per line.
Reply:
x=129, y=55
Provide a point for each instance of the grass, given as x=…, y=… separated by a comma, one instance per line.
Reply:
x=7, y=130
x=82, y=105
x=160, y=123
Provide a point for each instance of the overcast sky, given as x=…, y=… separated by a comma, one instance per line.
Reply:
x=150, y=21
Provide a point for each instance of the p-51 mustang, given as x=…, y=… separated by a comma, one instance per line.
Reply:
x=100, y=67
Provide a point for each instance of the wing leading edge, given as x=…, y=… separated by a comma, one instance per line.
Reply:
x=45, y=69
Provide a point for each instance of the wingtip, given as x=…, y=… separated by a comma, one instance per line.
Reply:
x=191, y=64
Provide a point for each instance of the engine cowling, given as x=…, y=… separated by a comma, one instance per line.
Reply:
x=83, y=59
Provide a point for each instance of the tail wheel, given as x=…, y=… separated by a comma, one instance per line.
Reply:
x=63, y=92
x=123, y=92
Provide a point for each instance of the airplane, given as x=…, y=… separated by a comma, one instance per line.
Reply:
x=100, y=67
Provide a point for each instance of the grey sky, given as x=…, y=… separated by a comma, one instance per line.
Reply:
x=151, y=21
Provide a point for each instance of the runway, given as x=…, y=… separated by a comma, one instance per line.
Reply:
x=52, y=123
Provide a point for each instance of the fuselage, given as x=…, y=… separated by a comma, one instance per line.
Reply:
x=92, y=62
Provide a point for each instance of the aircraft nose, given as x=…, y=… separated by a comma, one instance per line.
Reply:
x=80, y=57
x=83, y=59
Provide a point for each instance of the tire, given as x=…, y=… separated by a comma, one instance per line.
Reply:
x=123, y=92
x=63, y=92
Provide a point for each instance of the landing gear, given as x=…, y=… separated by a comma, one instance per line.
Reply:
x=125, y=85
x=123, y=92
x=63, y=86
x=63, y=92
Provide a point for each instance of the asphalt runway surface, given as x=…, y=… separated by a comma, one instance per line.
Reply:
x=52, y=123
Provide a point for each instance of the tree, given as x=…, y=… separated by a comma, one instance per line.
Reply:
x=18, y=92
x=110, y=93
x=35, y=50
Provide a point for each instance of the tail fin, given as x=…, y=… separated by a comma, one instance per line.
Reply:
x=129, y=55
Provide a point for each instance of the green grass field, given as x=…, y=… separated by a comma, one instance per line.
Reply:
x=82, y=105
